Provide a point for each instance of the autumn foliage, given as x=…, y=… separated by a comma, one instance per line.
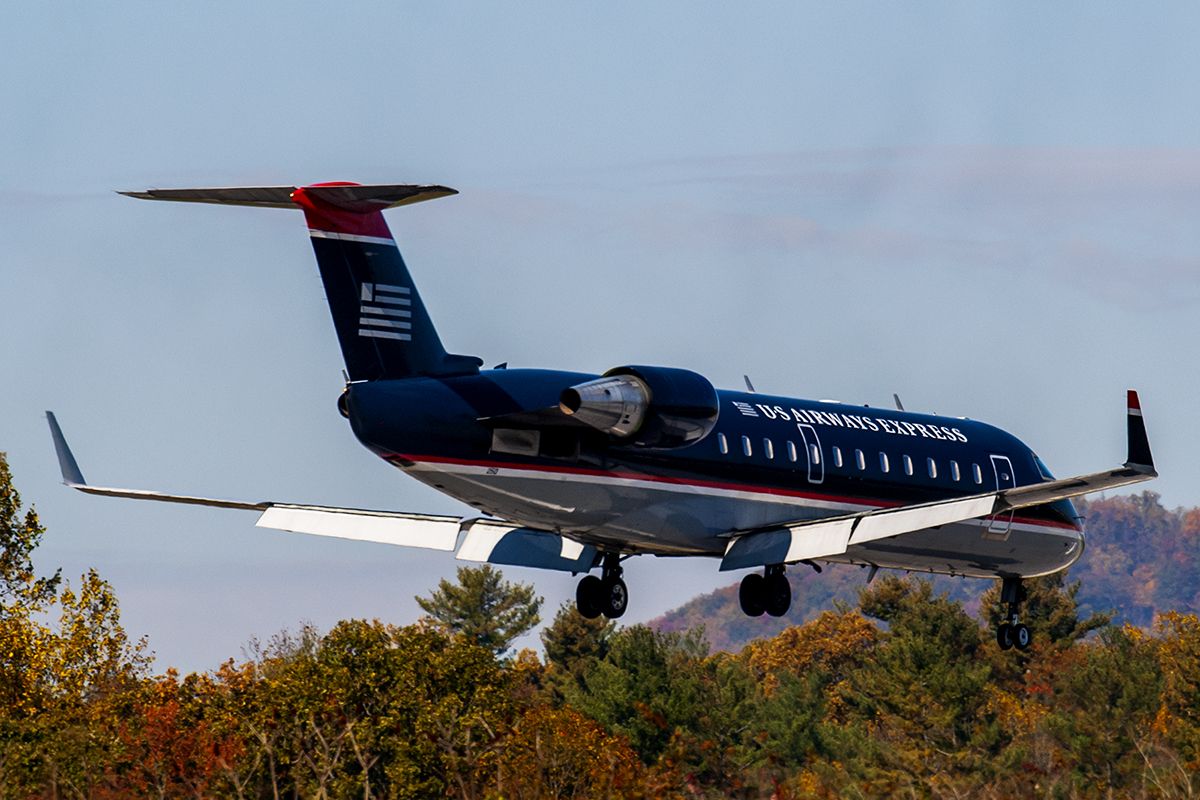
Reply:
x=901, y=692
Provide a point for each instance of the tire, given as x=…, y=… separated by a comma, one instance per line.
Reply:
x=614, y=597
x=588, y=596
x=752, y=595
x=777, y=594
x=1021, y=636
x=1004, y=636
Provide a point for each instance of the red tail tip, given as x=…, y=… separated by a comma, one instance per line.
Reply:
x=1134, y=403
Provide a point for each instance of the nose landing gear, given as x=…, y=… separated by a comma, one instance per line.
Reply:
x=769, y=592
x=1011, y=633
x=607, y=595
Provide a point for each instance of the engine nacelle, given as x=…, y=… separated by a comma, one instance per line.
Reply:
x=659, y=407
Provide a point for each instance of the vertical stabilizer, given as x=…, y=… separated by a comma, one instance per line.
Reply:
x=382, y=325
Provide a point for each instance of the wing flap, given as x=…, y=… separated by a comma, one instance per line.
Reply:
x=391, y=527
x=815, y=539
x=498, y=543
x=883, y=524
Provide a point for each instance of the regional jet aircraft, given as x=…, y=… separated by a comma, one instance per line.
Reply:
x=577, y=472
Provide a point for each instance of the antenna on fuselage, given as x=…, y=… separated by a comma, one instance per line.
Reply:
x=899, y=405
x=749, y=385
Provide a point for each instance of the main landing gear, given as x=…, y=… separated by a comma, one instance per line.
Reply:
x=769, y=592
x=1011, y=633
x=605, y=595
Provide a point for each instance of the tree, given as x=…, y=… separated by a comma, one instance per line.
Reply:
x=483, y=607
x=922, y=692
x=1050, y=609
x=573, y=642
x=558, y=752
x=20, y=588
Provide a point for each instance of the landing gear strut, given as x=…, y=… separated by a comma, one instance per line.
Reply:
x=1011, y=632
x=605, y=595
x=769, y=592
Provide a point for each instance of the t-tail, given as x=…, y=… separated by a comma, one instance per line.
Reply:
x=382, y=325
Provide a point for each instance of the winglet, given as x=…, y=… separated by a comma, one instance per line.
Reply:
x=66, y=462
x=1140, y=458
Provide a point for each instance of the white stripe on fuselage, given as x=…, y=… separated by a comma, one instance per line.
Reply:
x=350, y=237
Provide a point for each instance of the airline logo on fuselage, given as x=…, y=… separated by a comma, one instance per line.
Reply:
x=385, y=312
x=857, y=422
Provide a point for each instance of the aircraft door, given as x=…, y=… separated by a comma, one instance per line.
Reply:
x=998, y=525
x=812, y=452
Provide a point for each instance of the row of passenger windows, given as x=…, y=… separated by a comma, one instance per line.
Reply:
x=859, y=457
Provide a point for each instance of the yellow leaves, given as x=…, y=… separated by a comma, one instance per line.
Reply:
x=827, y=643
x=1017, y=715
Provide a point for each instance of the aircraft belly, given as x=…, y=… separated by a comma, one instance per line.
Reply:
x=968, y=548
x=680, y=519
x=667, y=519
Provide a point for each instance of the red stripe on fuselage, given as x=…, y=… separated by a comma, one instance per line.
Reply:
x=697, y=482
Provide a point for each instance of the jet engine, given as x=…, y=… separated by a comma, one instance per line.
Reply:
x=656, y=407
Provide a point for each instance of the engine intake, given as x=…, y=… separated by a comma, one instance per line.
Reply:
x=656, y=407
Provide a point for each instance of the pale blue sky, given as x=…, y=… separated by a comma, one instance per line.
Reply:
x=988, y=208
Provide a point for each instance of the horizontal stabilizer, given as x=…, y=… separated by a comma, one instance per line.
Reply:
x=354, y=198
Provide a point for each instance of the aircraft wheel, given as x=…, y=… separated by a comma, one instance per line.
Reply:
x=777, y=594
x=1021, y=637
x=1004, y=635
x=614, y=597
x=752, y=595
x=589, y=596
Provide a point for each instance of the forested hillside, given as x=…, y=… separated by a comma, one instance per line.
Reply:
x=902, y=693
x=1140, y=559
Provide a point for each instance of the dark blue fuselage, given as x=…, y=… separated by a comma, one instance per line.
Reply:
x=767, y=460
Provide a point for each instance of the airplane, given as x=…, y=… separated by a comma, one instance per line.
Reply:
x=578, y=472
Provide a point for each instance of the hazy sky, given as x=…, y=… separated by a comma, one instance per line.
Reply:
x=989, y=208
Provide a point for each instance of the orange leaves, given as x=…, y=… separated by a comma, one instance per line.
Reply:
x=558, y=752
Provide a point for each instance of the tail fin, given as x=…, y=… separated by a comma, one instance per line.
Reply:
x=381, y=323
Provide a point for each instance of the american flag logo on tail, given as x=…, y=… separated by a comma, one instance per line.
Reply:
x=386, y=312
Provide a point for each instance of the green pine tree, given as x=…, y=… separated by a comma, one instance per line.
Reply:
x=484, y=607
x=573, y=643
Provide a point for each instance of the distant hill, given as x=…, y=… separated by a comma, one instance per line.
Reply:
x=1140, y=558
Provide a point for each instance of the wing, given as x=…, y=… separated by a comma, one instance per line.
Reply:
x=487, y=540
x=389, y=527
x=824, y=538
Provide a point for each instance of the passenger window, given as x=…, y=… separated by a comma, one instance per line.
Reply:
x=792, y=451
x=746, y=448
x=954, y=473
x=837, y=456
x=814, y=454
x=860, y=459
x=908, y=467
x=722, y=444
x=932, y=467
x=768, y=449
x=977, y=472
x=883, y=462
